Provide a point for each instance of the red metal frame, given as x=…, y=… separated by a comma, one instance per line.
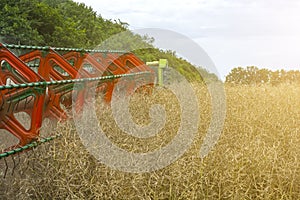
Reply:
x=13, y=101
x=47, y=63
x=53, y=66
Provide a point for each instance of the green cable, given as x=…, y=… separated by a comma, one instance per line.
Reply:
x=28, y=146
x=59, y=82
x=15, y=46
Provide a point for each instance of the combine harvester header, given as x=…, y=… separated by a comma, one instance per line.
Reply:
x=40, y=80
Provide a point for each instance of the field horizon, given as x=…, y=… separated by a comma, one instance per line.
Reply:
x=256, y=157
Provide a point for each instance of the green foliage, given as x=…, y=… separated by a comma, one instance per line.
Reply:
x=255, y=76
x=14, y=27
x=64, y=23
x=188, y=70
x=54, y=23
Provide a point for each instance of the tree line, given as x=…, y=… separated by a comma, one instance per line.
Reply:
x=254, y=76
x=54, y=23
x=64, y=23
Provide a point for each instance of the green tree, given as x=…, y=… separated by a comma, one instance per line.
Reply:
x=254, y=76
x=65, y=23
x=14, y=26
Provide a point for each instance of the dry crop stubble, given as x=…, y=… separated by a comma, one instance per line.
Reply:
x=257, y=156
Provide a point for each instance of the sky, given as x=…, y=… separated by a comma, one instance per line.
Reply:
x=262, y=33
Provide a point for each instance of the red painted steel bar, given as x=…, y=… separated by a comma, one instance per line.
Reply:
x=29, y=100
x=40, y=102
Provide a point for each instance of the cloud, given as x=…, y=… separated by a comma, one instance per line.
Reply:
x=234, y=32
x=203, y=18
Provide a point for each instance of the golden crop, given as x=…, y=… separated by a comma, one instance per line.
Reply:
x=256, y=157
